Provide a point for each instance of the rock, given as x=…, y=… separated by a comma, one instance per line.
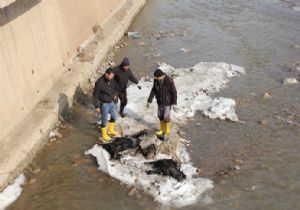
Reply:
x=63, y=126
x=141, y=43
x=297, y=46
x=132, y=192
x=264, y=122
x=59, y=135
x=185, y=50
x=290, y=81
x=36, y=171
x=267, y=96
x=238, y=162
x=52, y=139
x=236, y=167
x=296, y=8
x=52, y=134
x=32, y=181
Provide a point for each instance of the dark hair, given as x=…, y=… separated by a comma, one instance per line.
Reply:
x=109, y=71
x=158, y=73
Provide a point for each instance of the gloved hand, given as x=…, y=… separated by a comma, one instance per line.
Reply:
x=148, y=105
x=139, y=87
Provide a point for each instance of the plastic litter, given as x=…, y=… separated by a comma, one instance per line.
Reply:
x=134, y=34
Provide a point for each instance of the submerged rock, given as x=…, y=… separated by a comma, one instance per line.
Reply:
x=290, y=81
x=267, y=96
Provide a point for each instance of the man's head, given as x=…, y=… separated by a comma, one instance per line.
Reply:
x=159, y=74
x=126, y=64
x=109, y=74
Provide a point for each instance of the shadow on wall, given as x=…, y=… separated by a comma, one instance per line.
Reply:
x=16, y=9
x=81, y=97
x=64, y=111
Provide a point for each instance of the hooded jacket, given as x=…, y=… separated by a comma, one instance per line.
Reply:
x=121, y=76
x=164, y=92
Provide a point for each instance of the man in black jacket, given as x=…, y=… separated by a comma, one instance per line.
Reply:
x=165, y=93
x=104, y=97
x=122, y=75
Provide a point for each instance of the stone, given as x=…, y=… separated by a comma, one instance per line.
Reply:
x=290, y=81
x=36, y=171
x=58, y=135
x=238, y=162
x=267, y=96
x=132, y=192
x=296, y=8
x=297, y=46
x=32, y=181
x=264, y=122
x=52, y=139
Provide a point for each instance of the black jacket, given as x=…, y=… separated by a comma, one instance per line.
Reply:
x=165, y=93
x=104, y=91
x=121, y=78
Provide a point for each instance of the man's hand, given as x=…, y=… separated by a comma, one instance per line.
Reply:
x=97, y=110
x=139, y=87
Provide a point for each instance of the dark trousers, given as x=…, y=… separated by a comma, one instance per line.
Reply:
x=164, y=113
x=123, y=100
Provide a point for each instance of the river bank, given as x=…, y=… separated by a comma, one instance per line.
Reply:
x=19, y=147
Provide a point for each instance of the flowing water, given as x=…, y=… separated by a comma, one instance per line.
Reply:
x=263, y=37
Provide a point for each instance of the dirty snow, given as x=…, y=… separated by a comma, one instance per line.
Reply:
x=12, y=192
x=131, y=170
x=195, y=87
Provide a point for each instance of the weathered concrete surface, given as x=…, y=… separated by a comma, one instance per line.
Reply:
x=37, y=41
x=5, y=3
x=19, y=146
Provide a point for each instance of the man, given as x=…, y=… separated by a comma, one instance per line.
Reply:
x=165, y=93
x=104, y=96
x=122, y=75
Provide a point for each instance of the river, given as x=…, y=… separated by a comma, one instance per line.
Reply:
x=261, y=36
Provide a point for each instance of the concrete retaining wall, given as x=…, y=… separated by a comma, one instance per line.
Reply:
x=37, y=40
x=37, y=78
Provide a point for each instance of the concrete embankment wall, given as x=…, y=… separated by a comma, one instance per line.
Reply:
x=38, y=39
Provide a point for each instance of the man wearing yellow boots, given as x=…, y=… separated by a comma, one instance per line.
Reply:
x=165, y=93
x=104, y=97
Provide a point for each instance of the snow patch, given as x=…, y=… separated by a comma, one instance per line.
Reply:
x=131, y=170
x=12, y=192
x=195, y=86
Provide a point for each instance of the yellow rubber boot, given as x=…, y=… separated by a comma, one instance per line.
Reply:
x=111, y=129
x=105, y=137
x=168, y=128
x=162, y=129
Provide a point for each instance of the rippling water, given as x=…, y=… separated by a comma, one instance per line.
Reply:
x=261, y=36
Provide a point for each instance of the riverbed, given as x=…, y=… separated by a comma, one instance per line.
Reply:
x=261, y=36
